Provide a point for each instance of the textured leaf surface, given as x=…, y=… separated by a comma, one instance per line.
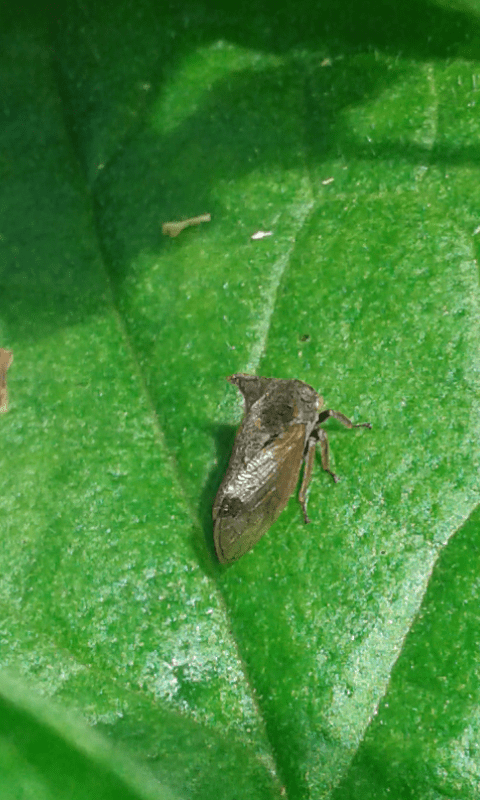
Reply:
x=337, y=660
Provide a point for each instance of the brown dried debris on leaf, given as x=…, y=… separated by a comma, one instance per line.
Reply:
x=6, y=358
x=174, y=228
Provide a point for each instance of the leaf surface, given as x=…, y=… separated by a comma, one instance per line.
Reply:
x=334, y=660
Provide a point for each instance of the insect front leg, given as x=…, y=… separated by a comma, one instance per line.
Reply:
x=322, y=437
x=341, y=418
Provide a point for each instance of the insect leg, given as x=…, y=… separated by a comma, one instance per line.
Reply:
x=307, y=474
x=341, y=418
x=322, y=437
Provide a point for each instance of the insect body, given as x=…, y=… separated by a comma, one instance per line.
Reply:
x=279, y=431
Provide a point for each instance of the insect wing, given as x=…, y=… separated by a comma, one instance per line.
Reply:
x=255, y=496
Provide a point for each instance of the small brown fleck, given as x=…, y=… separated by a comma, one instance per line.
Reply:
x=174, y=228
x=6, y=358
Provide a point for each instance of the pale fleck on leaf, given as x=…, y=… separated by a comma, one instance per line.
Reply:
x=261, y=234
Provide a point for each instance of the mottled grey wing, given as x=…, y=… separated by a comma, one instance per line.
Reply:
x=254, y=497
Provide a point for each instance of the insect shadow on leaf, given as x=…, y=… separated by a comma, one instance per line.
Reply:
x=224, y=437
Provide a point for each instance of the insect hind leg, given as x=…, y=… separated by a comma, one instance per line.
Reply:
x=307, y=474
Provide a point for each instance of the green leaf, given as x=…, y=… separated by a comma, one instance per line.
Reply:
x=44, y=754
x=335, y=660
